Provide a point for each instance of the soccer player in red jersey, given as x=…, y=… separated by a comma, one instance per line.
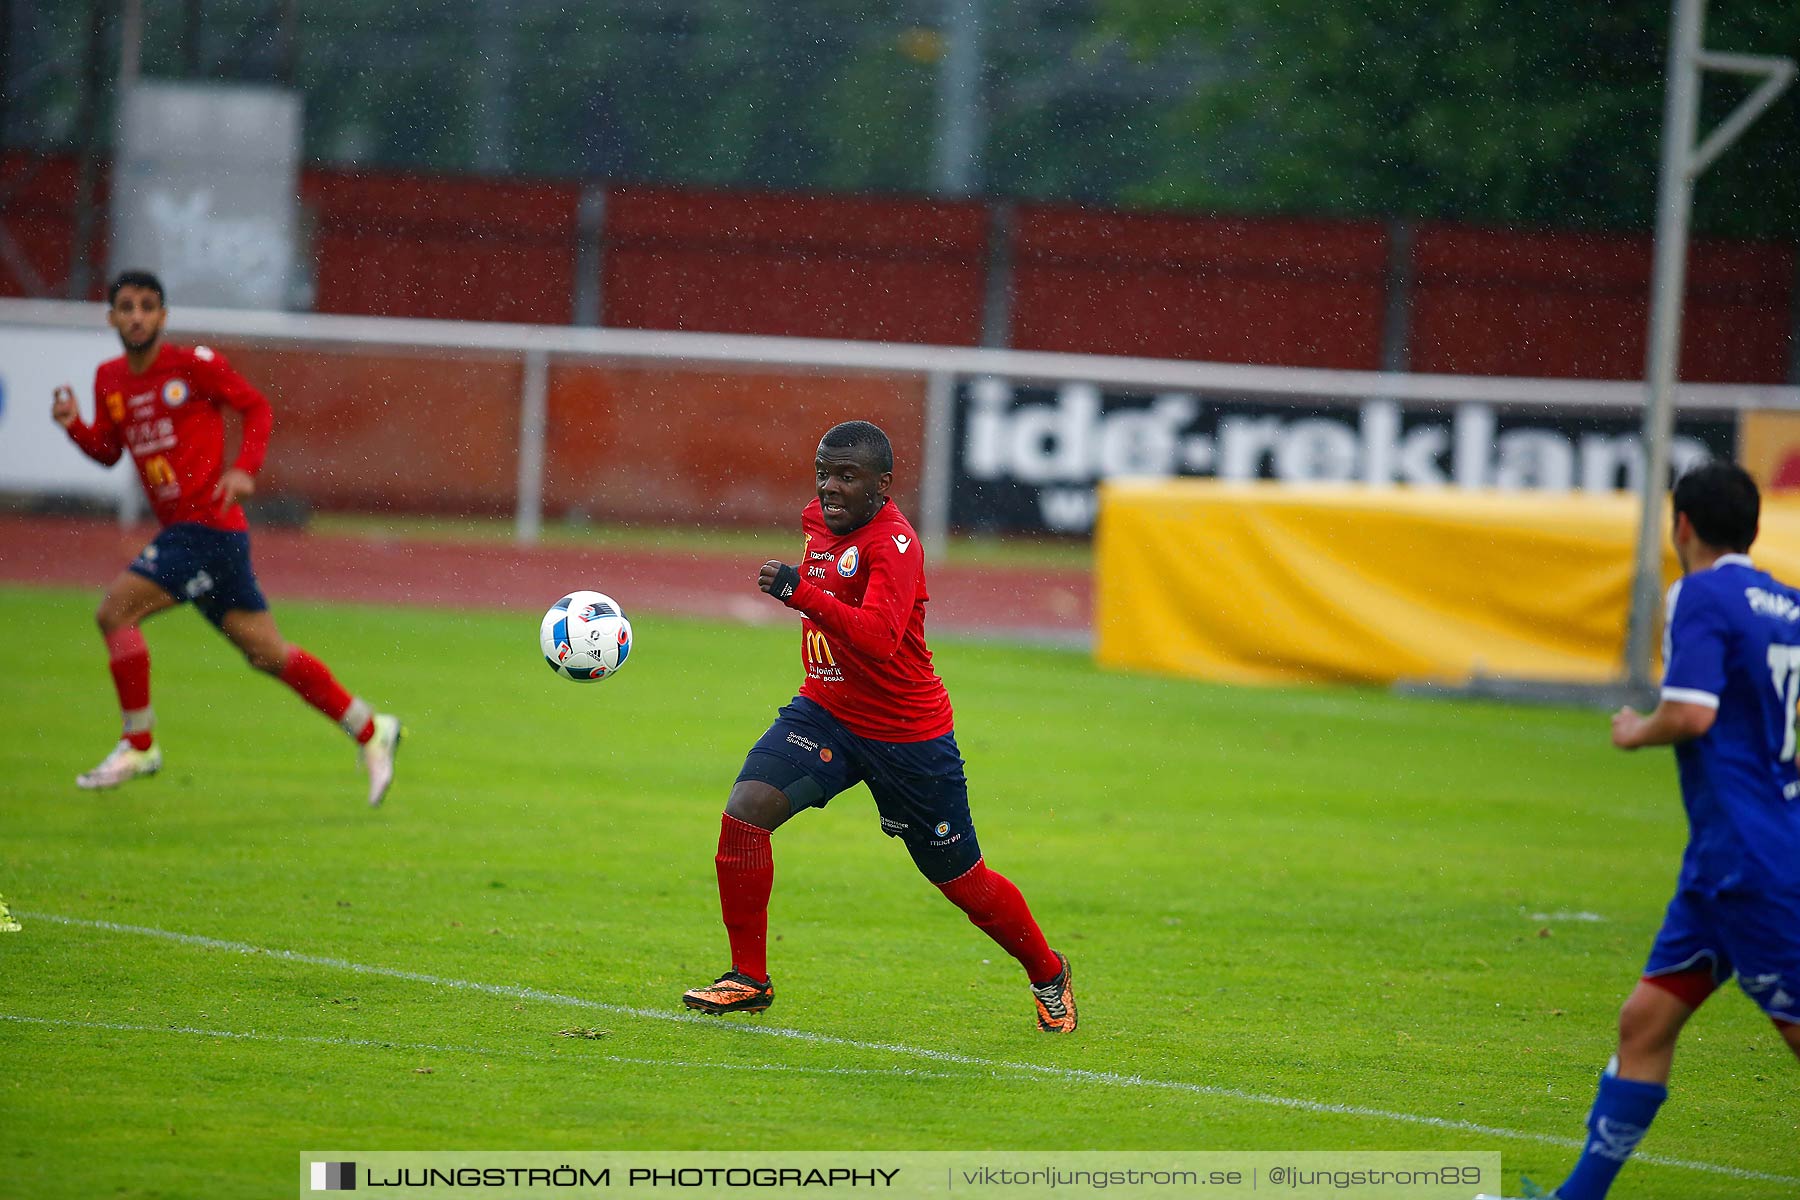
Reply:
x=872, y=710
x=163, y=404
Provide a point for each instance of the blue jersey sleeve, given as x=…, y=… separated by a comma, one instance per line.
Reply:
x=1695, y=652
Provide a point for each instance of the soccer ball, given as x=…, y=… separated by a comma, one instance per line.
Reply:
x=585, y=636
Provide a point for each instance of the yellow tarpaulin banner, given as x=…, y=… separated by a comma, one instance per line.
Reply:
x=1265, y=583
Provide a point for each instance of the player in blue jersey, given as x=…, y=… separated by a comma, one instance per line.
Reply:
x=1730, y=685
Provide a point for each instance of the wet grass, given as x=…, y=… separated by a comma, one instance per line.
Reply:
x=1336, y=896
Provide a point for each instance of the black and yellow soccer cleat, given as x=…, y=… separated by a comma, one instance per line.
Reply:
x=731, y=992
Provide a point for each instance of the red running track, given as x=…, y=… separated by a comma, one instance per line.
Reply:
x=1014, y=603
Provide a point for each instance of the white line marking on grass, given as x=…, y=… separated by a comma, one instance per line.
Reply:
x=480, y=1051
x=1567, y=916
x=1073, y=1074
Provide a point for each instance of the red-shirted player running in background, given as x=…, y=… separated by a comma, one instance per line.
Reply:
x=872, y=710
x=163, y=403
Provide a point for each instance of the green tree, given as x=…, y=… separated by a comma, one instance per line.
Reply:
x=1521, y=111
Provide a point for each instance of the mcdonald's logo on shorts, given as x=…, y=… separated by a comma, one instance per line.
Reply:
x=817, y=649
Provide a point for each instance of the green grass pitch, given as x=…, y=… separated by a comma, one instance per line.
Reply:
x=1330, y=896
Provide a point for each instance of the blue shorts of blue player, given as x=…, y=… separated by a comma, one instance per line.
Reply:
x=921, y=793
x=1706, y=938
x=210, y=567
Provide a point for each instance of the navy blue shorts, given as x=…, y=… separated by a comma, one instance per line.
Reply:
x=920, y=791
x=1756, y=936
x=209, y=566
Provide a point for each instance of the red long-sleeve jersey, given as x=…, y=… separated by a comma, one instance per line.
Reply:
x=863, y=640
x=171, y=420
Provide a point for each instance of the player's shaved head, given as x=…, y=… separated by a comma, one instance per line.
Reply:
x=864, y=440
x=1721, y=502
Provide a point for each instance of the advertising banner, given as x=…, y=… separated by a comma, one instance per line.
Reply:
x=1027, y=459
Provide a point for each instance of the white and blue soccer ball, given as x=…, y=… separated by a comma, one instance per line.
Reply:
x=585, y=636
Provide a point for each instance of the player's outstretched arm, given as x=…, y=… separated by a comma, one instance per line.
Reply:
x=99, y=441
x=1673, y=721
x=874, y=627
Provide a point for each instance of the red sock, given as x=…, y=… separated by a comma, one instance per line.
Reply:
x=317, y=686
x=998, y=910
x=746, y=868
x=129, y=659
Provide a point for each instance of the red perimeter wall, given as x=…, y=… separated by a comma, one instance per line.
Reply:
x=37, y=207
x=448, y=247
x=1265, y=291
x=799, y=266
x=1254, y=290
x=1490, y=302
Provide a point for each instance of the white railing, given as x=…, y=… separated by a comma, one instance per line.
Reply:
x=940, y=366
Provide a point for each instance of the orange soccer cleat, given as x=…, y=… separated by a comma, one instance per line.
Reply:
x=732, y=992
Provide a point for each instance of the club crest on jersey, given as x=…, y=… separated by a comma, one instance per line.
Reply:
x=942, y=828
x=847, y=562
x=175, y=393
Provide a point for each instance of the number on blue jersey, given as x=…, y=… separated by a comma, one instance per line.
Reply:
x=1784, y=673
